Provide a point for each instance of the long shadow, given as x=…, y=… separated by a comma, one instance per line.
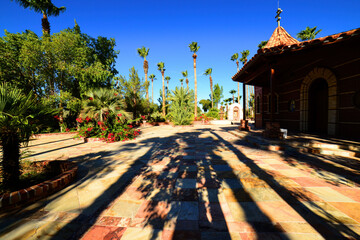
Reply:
x=190, y=183
x=89, y=165
x=329, y=226
x=40, y=144
x=52, y=150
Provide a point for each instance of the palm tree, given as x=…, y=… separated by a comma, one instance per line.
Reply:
x=194, y=48
x=46, y=7
x=262, y=44
x=308, y=33
x=20, y=115
x=233, y=92
x=181, y=81
x=167, y=78
x=208, y=73
x=143, y=52
x=152, y=77
x=244, y=55
x=235, y=57
x=185, y=75
x=181, y=104
x=102, y=101
x=161, y=68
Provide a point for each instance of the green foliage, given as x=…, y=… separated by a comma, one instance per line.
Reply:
x=113, y=128
x=194, y=47
x=101, y=102
x=20, y=115
x=44, y=7
x=213, y=113
x=244, y=55
x=217, y=94
x=133, y=90
x=181, y=106
x=143, y=52
x=262, y=44
x=234, y=57
x=208, y=72
x=185, y=74
x=308, y=33
x=206, y=104
x=156, y=117
x=152, y=77
x=161, y=66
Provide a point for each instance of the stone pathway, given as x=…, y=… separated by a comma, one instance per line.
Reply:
x=188, y=183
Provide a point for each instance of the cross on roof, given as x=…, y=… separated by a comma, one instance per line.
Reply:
x=278, y=12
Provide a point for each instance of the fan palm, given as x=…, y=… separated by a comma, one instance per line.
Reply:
x=308, y=33
x=235, y=57
x=46, y=7
x=161, y=68
x=208, y=73
x=102, y=101
x=194, y=47
x=20, y=115
x=167, y=78
x=244, y=55
x=262, y=44
x=181, y=81
x=143, y=52
x=152, y=77
x=185, y=75
x=233, y=92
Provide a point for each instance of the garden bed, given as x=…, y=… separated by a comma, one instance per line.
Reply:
x=64, y=172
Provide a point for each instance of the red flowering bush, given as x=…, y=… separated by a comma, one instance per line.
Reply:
x=113, y=128
x=203, y=117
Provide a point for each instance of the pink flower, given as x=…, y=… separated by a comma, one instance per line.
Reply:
x=119, y=115
x=79, y=120
x=90, y=98
x=143, y=117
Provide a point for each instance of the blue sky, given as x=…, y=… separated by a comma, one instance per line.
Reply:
x=221, y=28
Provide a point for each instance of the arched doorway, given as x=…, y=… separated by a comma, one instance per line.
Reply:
x=236, y=114
x=318, y=106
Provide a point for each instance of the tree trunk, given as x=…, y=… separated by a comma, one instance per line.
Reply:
x=146, y=68
x=167, y=88
x=211, y=89
x=195, y=81
x=45, y=24
x=10, y=162
x=187, y=82
x=152, y=90
x=237, y=64
x=163, y=93
x=233, y=99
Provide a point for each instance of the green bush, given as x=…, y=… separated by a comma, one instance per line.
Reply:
x=181, y=106
x=156, y=117
x=213, y=113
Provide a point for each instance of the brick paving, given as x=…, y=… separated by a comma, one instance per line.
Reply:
x=189, y=183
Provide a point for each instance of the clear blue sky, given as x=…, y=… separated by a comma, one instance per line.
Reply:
x=221, y=27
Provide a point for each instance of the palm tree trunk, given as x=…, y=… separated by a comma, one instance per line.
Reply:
x=195, y=80
x=187, y=82
x=45, y=24
x=146, y=68
x=167, y=88
x=233, y=99
x=152, y=90
x=237, y=63
x=10, y=162
x=211, y=89
x=163, y=93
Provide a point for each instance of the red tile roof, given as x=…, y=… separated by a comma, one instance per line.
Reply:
x=276, y=50
x=280, y=37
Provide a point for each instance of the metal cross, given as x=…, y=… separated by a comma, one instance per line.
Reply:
x=278, y=12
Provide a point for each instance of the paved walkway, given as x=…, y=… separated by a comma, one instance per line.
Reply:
x=187, y=183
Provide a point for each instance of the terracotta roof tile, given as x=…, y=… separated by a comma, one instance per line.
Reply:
x=279, y=38
x=278, y=49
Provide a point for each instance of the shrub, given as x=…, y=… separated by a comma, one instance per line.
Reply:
x=213, y=113
x=181, y=106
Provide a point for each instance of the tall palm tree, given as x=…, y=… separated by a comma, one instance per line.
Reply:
x=152, y=77
x=243, y=59
x=235, y=57
x=46, y=7
x=143, y=52
x=20, y=115
x=308, y=33
x=233, y=92
x=103, y=101
x=208, y=73
x=181, y=81
x=161, y=68
x=185, y=75
x=262, y=44
x=194, y=48
x=167, y=78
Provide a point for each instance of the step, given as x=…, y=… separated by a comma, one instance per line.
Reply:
x=332, y=151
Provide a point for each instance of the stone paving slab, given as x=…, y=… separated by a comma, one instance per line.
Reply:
x=186, y=183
